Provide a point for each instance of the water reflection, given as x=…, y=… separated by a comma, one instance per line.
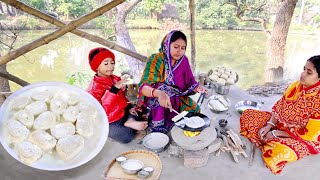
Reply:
x=48, y=60
x=240, y=50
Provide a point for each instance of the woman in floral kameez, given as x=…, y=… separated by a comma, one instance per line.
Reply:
x=292, y=130
x=167, y=81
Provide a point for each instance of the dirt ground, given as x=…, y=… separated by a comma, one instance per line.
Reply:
x=221, y=167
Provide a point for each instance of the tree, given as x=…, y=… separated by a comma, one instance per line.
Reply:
x=123, y=37
x=153, y=6
x=277, y=42
x=277, y=38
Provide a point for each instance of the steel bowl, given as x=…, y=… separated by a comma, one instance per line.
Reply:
x=247, y=104
x=156, y=141
x=132, y=166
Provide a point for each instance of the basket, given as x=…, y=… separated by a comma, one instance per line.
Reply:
x=114, y=171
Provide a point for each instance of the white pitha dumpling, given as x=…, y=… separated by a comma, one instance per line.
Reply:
x=45, y=120
x=73, y=99
x=28, y=152
x=88, y=109
x=63, y=130
x=224, y=76
x=25, y=118
x=221, y=81
x=214, y=77
x=58, y=106
x=71, y=113
x=20, y=102
x=223, y=101
x=42, y=139
x=68, y=147
x=36, y=107
x=84, y=127
x=16, y=131
x=70, y=98
x=216, y=73
x=221, y=70
x=230, y=81
x=86, y=116
x=217, y=105
x=44, y=95
x=227, y=72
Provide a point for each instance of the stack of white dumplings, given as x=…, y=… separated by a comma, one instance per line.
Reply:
x=52, y=121
x=223, y=76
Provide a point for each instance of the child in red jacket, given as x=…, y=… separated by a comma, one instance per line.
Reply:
x=109, y=90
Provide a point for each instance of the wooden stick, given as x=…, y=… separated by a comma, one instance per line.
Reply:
x=253, y=149
x=56, y=34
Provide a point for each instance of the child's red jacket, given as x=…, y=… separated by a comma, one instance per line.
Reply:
x=113, y=104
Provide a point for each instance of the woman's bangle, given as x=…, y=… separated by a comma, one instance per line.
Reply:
x=272, y=132
x=271, y=123
x=152, y=92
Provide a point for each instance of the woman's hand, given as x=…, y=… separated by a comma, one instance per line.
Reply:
x=201, y=89
x=277, y=134
x=269, y=135
x=132, y=111
x=163, y=99
x=263, y=131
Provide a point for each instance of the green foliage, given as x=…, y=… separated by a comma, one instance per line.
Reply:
x=317, y=18
x=213, y=15
x=67, y=8
x=153, y=5
x=79, y=79
x=38, y=4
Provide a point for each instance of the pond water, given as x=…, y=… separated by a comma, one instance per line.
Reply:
x=243, y=51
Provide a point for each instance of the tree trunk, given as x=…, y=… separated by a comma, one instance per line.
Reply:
x=4, y=84
x=301, y=12
x=123, y=38
x=8, y=10
x=277, y=42
x=193, y=35
x=1, y=8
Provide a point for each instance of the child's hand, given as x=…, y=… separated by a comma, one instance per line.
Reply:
x=133, y=112
x=121, y=84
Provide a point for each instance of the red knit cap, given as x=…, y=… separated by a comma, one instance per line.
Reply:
x=99, y=54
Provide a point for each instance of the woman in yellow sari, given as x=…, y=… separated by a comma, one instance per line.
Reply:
x=292, y=130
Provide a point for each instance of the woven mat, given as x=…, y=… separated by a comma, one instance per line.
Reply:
x=114, y=171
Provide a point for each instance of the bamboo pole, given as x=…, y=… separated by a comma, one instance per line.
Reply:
x=14, y=79
x=192, y=34
x=51, y=20
x=56, y=34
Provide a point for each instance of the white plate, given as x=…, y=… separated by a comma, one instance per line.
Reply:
x=155, y=141
x=92, y=145
x=216, y=97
